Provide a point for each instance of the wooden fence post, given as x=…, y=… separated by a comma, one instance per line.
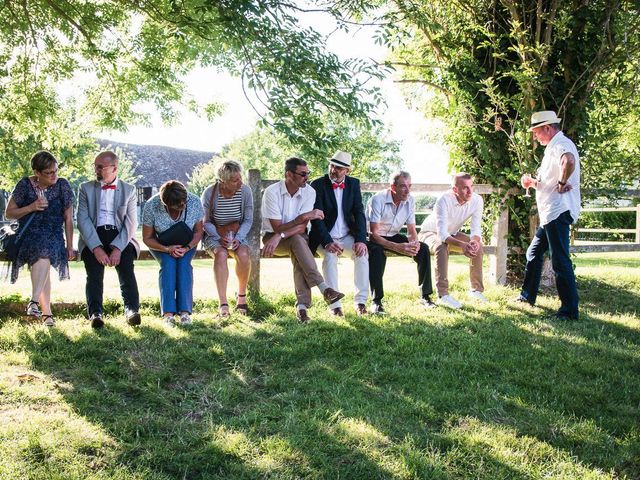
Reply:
x=255, y=183
x=498, y=262
x=638, y=223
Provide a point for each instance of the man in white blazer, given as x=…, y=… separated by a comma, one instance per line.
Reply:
x=107, y=221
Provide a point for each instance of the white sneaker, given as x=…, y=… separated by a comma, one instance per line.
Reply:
x=476, y=295
x=449, y=301
x=185, y=319
x=169, y=320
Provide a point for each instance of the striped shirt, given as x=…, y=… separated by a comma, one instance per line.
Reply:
x=228, y=209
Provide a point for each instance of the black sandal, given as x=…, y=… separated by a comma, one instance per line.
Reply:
x=48, y=321
x=242, y=308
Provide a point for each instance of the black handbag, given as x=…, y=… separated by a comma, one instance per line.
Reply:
x=10, y=239
x=177, y=234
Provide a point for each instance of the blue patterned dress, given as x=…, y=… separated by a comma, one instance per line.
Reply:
x=45, y=235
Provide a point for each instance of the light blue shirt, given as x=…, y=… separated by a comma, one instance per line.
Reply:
x=155, y=214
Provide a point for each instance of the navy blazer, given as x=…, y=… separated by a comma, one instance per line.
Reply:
x=352, y=209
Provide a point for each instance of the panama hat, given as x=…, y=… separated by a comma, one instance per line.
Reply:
x=341, y=159
x=545, y=117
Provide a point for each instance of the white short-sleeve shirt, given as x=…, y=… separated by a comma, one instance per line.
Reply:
x=389, y=217
x=278, y=204
x=552, y=204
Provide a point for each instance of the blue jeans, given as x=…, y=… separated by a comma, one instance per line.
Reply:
x=554, y=237
x=176, y=281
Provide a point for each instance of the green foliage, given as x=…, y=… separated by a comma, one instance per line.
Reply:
x=491, y=64
x=374, y=155
x=202, y=176
x=72, y=68
x=607, y=220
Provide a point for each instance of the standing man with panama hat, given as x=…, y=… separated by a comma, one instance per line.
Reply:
x=558, y=199
x=343, y=228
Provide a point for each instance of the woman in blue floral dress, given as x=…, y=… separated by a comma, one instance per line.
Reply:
x=49, y=200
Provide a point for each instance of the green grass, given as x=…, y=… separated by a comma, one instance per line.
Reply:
x=492, y=391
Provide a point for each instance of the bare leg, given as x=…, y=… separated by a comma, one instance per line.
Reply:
x=243, y=268
x=41, y=284
x=221, y=273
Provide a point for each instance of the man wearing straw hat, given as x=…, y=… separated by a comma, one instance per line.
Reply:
x=343, y=228
x=558, y=199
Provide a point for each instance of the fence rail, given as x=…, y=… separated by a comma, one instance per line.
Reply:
x=497, y=250
x=577, y=229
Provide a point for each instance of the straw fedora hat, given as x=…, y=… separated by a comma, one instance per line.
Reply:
x=545, y=117
x=341, y=159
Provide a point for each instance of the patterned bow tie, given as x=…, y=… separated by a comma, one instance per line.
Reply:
x=338, y=185
x=109, y=187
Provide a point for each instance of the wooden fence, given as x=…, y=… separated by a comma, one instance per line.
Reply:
x=497, y=250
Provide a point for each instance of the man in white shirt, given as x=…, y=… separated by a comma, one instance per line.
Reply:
x=107, y=221
x=441, y=232
x=287, y=209
x=558, y=199
x=387, y=212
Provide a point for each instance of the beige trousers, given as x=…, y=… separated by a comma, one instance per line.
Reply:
x=441, y=251
x=305, y=270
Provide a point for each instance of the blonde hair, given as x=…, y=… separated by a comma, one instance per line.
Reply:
x=227, y=168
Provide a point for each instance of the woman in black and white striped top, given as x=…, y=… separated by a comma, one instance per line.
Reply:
x=228, y=207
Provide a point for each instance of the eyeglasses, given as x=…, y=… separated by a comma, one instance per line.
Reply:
x=102, y=167
x=303, y=174
x=49, y=173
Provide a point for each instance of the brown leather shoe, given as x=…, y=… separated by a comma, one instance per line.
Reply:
x=361, y=309
x=337, y=312
x=331, y=296
x=302, y=315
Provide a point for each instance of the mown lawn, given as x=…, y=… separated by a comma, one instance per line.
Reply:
x=493, y=391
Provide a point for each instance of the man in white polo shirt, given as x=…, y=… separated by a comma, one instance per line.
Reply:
x=441, y=232
x=558, y=199
x=387, y=212
x=287, y=209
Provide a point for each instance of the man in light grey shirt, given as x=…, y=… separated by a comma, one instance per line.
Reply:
x=441, y=232
x=387, y=212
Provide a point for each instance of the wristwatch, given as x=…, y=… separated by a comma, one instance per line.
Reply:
x=281, y=234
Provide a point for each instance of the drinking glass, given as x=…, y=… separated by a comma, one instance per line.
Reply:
x=229, y=237
x=42, y=196
x=526, y=183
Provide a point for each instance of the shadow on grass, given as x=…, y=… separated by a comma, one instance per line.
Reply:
x=417, y=395
x=606, y=297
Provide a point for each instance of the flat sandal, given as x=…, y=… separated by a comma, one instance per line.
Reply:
x=223, y=310
x=242, y=308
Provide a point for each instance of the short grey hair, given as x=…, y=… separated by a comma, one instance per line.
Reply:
x=227, y=168
x=393, y=179
x=460, y=176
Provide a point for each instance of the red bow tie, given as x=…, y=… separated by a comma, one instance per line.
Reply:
x=109, y=187
x=338, y=185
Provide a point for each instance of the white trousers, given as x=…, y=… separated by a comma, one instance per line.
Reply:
x=360, y=269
